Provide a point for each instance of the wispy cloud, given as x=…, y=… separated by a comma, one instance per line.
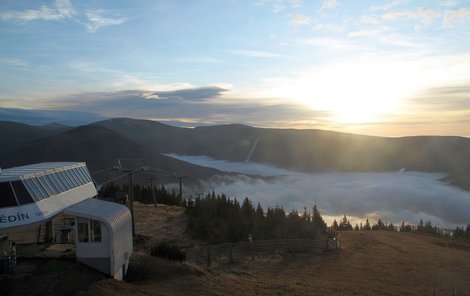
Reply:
x=333, y=43
x=329, y=4
x=255, y=53
x=194, y=94
x=201, y=59
x=96, y=20
x=371, y=19
x=447, y=98
x=62, y=9
x=423, y=14
x=14, y=62
x=278, y=5
x=260, y=2
x=331, y=27
x=447, y=3
x=204, y=105
x=296, y=3
x=385, y=37
x=460, y=16
x=298, y=19
x=388, y=5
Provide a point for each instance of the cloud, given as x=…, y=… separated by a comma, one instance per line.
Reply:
x=422, y=14
x=200, y=59
x=189, y=106
x=296, y=3
x=329, y=4
x=278, y=5
x=389, y=38
x=96, y=20
x=388, y=5
x=197, y=94
x=255, y=53
x=333, y=43
x=261, y=2
x=460, y=16
x=298, y=19
x=331, y=27
x=445, y=99
x=447, y=3
x=14, y=62
x=61, y=10
x=393, y=196
x=371, y=19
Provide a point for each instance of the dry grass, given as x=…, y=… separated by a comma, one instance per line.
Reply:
x=161, y=223
x=370, y=263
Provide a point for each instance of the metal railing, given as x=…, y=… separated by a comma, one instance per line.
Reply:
x=231, y=252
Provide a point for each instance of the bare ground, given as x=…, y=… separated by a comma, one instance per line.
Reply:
x=369, y=263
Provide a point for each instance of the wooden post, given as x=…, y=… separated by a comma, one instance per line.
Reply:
x=208, y=256
x=230, y=255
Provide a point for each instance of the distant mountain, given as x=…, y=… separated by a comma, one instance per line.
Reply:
x=14, y=134
x=307, y=150
x=41, y=117
x=100, y=148
x=100, y=144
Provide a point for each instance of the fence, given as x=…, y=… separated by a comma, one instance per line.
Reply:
x=230, y=252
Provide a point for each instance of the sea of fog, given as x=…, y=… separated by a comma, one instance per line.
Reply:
x=393, y=196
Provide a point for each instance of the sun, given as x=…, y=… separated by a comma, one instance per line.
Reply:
x=356, y=91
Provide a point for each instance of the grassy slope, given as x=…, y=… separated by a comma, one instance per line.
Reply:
x=370, y=263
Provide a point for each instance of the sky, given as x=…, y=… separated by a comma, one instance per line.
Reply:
x=387, y=68
x=392, y=196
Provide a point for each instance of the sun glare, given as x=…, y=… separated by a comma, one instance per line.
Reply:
x=355, y=92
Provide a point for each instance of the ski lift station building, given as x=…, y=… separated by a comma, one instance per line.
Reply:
x=34, y=194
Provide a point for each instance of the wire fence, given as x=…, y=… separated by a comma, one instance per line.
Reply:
x=232, y=252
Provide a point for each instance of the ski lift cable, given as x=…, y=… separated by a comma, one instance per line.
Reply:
x=159, y=174
x=161, y=170
x=101, y=171
x=111, y=180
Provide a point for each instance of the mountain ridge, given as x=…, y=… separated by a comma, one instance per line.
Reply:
x=305, y=150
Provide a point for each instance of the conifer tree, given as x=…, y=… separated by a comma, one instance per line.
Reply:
x=335, y=225
x=319, y=225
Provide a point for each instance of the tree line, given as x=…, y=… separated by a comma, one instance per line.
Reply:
x=143, y=194
x=422, y=227
x=217, y=218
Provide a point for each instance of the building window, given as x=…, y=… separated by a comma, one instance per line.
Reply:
x=7, y=198
x=22, y=194
x=95, y=229
x=83, y=230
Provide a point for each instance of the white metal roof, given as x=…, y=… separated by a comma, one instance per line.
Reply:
x=113, y=214
x=31, y=170
x=32, y=183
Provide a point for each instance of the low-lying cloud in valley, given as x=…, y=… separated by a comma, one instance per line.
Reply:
x=392, y=196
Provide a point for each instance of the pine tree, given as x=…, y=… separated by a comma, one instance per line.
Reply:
x=344, y=224
x=367, y=225
x=335, y=225
x=421, y=226
x=319, y=225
